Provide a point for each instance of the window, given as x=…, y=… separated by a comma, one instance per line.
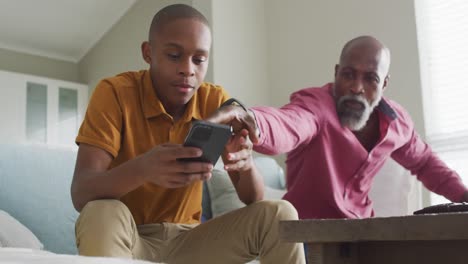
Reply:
x=68, y=115
x=36, y=112
x=443, y=45
x=40, y=110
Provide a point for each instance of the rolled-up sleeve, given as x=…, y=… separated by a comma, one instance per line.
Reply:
x=284, y=129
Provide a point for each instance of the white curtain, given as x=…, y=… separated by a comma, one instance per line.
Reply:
x=442, y=28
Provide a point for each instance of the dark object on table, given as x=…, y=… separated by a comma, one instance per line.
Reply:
x=444, y=208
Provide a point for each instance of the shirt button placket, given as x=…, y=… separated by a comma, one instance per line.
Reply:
x=349, y=185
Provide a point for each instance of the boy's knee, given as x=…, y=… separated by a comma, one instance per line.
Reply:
x=286, y=211
x=283, y=209
x=104, y=210
x=103, y=225
x=103, y=206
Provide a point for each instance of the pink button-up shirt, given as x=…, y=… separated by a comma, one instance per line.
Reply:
x=329, y=172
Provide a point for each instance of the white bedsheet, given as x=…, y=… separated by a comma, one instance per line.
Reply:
x=32, y=256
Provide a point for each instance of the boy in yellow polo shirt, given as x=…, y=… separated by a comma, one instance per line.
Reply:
x=136, y=199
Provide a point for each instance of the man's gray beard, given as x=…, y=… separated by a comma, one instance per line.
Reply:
x=355, y=119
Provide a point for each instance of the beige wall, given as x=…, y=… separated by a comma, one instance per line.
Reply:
x=206, y=8
x=37, y=65
x=238, y=56
x=119, y=49
x=305, y=38
x=240, y=49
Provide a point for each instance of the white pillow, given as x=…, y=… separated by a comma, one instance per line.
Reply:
x=273, y=194
x=15, y=234
x=224, y=197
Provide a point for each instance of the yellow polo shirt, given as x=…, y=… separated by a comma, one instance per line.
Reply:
x=126, y=119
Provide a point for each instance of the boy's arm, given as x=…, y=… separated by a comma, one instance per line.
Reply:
x=92, y=180
x=275, y=130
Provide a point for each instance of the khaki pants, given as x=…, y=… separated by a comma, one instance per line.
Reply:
x=107, y=228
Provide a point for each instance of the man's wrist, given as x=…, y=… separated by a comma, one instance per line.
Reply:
x=252, y=114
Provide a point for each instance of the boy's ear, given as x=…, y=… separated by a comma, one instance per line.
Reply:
x=146, y=52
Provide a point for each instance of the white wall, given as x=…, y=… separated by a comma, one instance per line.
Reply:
x=37, y=65
x=119, y=50
x=240, y=49
x=306, y=38
x=206, y=8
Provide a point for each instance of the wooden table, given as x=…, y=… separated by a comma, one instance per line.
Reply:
x=414, y=239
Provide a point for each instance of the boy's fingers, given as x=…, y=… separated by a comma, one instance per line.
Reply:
x=183, y=152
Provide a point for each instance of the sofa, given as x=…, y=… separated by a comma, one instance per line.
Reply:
x=35, y=191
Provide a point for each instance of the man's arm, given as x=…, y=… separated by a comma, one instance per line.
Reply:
x=418, y=157
x=92, y=180
x=238, y=119
x=275, y=130
x=284, y=129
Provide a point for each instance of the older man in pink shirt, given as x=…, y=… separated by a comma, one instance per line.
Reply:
x=338, y=137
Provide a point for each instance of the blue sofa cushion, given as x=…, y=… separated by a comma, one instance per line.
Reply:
x=35, y=189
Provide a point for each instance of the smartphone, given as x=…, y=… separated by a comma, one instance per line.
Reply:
x=211, y=138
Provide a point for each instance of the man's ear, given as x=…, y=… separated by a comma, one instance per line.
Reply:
x=146, y=51
x=337, y=66
x=386, y=80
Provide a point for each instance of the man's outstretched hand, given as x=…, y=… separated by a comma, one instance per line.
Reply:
x=465, y=197
x=238, y=118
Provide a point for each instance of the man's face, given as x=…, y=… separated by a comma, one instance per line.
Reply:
x=178, y=59
x=360, y=79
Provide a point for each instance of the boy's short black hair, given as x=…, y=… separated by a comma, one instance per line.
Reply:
x=173, y=12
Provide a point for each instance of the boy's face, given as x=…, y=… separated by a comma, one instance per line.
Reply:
x=178, y=57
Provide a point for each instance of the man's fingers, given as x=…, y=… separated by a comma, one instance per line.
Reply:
x=238, y=118
x=254, y=133
x=223, y=115
x=247, y=122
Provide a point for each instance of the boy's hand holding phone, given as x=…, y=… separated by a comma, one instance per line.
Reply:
x=210, y=138
x=161, y=166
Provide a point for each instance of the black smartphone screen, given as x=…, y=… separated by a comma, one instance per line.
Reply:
x=211, y=138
